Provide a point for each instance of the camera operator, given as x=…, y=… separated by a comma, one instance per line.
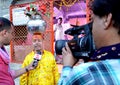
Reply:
x=106, y=34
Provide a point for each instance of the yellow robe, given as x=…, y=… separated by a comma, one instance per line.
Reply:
x=46, y=73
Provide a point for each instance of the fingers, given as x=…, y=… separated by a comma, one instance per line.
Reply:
x=66, y=51
x=67, y=47
x=63, y=51
x=68, y=59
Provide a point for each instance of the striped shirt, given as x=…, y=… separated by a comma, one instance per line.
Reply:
x=93, y=73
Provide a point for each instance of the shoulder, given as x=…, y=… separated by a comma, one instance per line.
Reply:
x=83, y=66
x=48, y=57
x=55, y=25
x=94, y=67
x=86, y=66
x=31, y=53
x=84, y=72
x=48, y=53
x=28, y=59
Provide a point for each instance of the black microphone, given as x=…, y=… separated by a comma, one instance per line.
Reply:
x=37, y=57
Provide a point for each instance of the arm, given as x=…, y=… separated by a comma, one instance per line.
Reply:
x=65, y=73
x=21, y=71
x=17, y=73
x=68, y=63
x=54, y=28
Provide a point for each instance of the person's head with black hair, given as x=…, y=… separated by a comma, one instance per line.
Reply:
x=60, y=18
x=5, y=24
x=6, y=29
x=59, y=21
x=106, y=22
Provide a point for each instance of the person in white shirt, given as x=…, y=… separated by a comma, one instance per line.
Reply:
x=59, y=35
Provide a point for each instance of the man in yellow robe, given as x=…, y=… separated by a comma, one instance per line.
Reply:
x=46, y=72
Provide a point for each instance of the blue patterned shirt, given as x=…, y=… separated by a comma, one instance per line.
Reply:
x=105, y=72
x=93, y=73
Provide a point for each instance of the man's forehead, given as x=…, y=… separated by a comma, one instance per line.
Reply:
x=37, y=37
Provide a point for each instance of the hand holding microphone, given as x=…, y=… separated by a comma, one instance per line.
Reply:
x=37, y=57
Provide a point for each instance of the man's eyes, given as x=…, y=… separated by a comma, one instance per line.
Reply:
x=37, y=40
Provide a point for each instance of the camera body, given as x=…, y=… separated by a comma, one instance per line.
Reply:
x=81, y=47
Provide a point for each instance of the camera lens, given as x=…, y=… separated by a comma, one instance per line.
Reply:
x=59, y=44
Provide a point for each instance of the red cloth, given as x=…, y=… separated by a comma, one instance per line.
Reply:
x=5, y=76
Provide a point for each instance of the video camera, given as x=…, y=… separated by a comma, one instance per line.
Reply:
x=81, y=47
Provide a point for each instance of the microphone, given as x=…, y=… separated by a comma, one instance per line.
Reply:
x=37, y=57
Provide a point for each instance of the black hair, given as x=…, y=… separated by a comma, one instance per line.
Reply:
x=5, y=24
x=104, y=7
x=60, y=18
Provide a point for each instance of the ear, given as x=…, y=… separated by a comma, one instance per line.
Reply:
x=107, y=20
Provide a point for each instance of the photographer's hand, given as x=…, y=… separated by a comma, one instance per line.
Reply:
x=68, y=59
